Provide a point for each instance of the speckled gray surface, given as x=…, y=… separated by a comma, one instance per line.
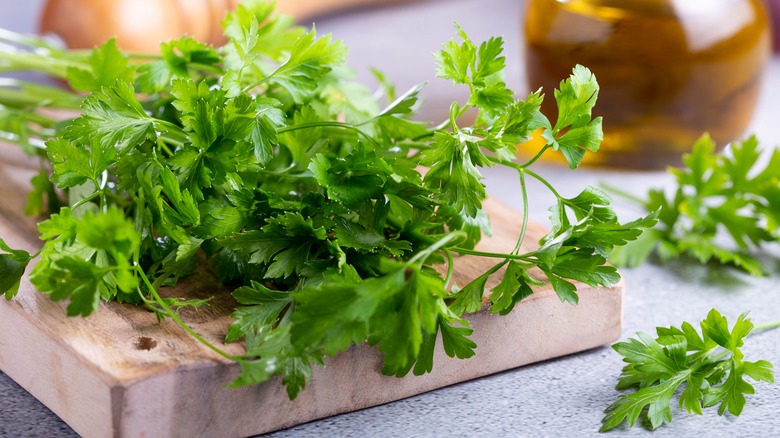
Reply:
x=558, y=398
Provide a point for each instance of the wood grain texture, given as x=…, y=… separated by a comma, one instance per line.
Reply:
x=120, y=373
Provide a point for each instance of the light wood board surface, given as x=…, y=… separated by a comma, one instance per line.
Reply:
x=120, y=373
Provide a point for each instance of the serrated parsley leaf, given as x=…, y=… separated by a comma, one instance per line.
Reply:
x=12, y=265
x=108, y=64
x=177, y=57
x=73, y=164
x=453, y=174
x=260, y=311
x=574, y=132
x=310, y=58
x=404, y=104
x=114, y=117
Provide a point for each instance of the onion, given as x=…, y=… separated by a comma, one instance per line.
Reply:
x=138, y=25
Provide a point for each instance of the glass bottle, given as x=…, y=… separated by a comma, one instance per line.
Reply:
x=669, y=70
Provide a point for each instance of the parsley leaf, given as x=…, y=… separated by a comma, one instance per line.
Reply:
x=114, y=117
x=12, y=266
x=310, y=59
x=108, y=64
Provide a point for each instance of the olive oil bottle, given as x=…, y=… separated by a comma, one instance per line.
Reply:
x=669, y=70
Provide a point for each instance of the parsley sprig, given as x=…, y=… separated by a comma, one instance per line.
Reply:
x=725, y=208
x=704, y=369
x=265, y=162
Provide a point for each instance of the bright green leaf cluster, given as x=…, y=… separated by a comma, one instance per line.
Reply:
x=87, y=259
x=725, y=208
x=705, y=369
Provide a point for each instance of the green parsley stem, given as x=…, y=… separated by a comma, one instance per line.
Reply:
x=424, y=254
x=536, y=157
x=33, y=62
x=450, y=266
x=622, y=193
x=524, y=193
x=87, y=199
x=334, y=124
x=26, y=115
x=767, y=326
x=21, y=39
x=15, y=138
x=137, y=55
x=170, y=313
x=174, y=134
x=543, y=181
x=161, y=142
x=495, y=255
x=430, y=133
x=36, y=99
x=525, y=170
x=256, y=83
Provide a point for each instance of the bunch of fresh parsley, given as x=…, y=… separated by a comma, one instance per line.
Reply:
x=296, y=187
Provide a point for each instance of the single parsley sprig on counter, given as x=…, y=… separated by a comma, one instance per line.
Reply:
x=725, y=208
x=705, y=369
x=302, y=193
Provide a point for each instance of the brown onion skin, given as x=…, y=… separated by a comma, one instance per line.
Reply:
x=138, y=25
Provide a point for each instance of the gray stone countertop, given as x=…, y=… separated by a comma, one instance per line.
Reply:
x=562, y=397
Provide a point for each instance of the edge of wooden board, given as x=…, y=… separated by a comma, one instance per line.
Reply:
x=192, y=398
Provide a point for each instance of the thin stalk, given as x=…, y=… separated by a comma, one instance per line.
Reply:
x=524, y=193
x=87, y=199
x=174, y=134
x=766, y=326
x=164, y=146
x=36, y=118
x=495, y=255
x=544, y=181
x=325, y=124
x=424, y=254
x=15, y=93
x=256, y=83
x=28, y=61
x=170, y=313
x=14, y=138
x=450, y=268
x=21, y=39
x=535, y=157
x=623, y=194
x=146, y=56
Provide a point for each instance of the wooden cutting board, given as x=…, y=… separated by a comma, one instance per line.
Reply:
x=119, y=373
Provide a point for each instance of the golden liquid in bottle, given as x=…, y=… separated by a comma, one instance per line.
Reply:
x=669, y=70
